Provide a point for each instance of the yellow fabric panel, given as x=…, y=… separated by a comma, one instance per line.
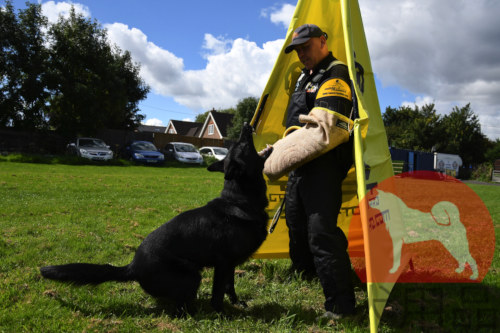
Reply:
x=341, y=20
x=271, y=124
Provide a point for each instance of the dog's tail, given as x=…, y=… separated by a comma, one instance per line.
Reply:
x=444, y=213
x=87, y=273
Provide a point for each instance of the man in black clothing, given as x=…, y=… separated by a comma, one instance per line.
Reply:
x=322, y=100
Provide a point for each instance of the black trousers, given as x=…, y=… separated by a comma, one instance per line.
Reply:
x=317, y=244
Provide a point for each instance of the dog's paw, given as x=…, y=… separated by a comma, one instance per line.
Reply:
x=241, y=304
x=181, y=312
x=217, y=306
x=393, y=269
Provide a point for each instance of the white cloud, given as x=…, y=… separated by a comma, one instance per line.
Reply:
x=282, y=15
x=154, y=122
x=217, y=45
x=443, y=51
x=53, y=10
x=419, y=101
x=235, y=68
x=161, y=69
x=446, y=50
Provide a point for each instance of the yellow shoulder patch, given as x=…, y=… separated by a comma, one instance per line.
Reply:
x=334, y=88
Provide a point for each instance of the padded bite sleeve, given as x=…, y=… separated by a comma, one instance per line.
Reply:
x=324, y=130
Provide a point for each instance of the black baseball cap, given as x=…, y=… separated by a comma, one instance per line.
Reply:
x=302, y=34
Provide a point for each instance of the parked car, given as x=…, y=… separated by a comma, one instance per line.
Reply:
x=143, y=152
x=217, y=152
x=183, y=152
x=91, y=148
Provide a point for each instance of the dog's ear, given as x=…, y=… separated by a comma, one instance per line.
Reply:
x=216, y=166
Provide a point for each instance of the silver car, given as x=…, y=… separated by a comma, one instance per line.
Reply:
x=183, y=152
x=91, y=148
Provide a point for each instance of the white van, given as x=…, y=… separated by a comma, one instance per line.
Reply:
x=447, y=163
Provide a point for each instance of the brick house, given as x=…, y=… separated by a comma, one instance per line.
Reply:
x=185, y=128
x=216, y=125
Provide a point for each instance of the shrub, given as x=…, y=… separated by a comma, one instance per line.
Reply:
x=482, y=172
x=57, y=159
x=209, y=159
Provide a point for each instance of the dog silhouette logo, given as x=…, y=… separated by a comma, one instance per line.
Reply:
x=424, y=227
x=442, y=224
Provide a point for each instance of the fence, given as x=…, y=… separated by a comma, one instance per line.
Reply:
x=495, y=174
x=40, y=142
x=161, y=139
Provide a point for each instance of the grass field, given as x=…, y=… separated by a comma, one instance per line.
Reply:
x=53, y=213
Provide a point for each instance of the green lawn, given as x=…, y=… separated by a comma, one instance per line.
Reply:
x=53, y=213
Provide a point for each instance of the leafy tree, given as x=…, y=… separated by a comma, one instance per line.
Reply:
x=93, y=85
x=200, y=118
x=464, y=136
x=493, y=151
x=23, y=62
x=8, y=70
x=69, y=78
x=417, y=128
x=423, y=129
x=32, y=59
x=245, y=110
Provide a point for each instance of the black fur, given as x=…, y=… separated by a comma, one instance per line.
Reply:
x=222, y=234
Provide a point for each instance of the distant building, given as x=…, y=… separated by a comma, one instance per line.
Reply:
x=216, y=125
x=186, y=128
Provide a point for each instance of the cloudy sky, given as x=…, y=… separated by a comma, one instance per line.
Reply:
x=199, y=55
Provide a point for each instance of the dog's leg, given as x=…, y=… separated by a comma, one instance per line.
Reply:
x=463, y=257
x=473, y=266
x=229, y=289
x=397, y=246
x=175, y=283
x=219, y=285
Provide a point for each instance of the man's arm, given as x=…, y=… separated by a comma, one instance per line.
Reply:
x=326, y=126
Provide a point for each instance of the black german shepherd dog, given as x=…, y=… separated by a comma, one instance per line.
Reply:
x=222, y=234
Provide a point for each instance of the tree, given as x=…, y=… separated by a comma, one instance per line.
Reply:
x=245, y=110
x=93, y=85
x=201, y=117
x=69, y=78
x=493, y=151
x=417, y=128
x=32, y=59
x=464, y=136
x=8, y=70
x=423, y=129
x=23, y=62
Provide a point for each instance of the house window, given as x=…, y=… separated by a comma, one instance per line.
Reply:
x=171, y=131
x=210, y=129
